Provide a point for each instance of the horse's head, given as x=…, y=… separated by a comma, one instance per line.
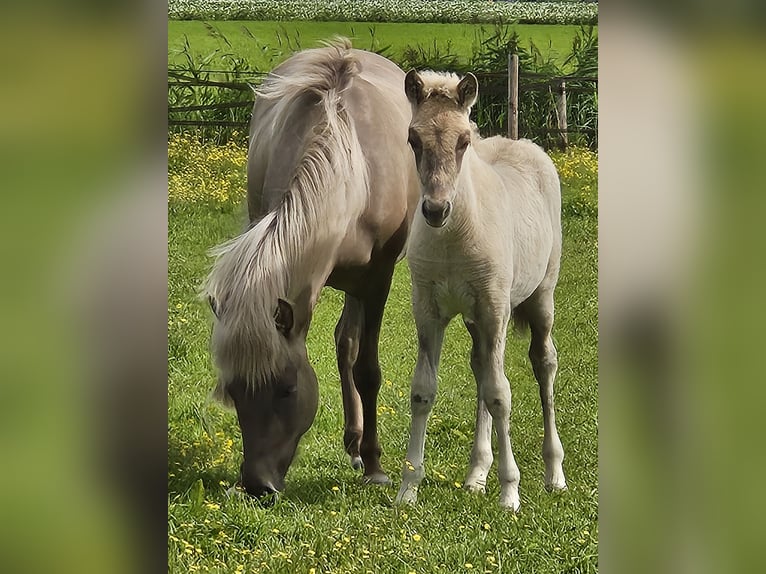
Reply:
x=277, y=408
x=440, y=133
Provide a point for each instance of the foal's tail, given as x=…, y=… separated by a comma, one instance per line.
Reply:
x=274, y=257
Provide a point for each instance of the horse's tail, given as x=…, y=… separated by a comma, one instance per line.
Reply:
x=273, y=258
x=520, y=321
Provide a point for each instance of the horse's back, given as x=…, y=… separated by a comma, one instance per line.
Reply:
x=531, y=203
x=370, y=90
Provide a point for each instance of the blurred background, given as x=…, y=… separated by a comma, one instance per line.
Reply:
x=83, y=287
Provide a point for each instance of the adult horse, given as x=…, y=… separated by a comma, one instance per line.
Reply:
x=488, y=245
x=331, y=193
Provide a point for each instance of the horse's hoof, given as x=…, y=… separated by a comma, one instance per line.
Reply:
x=555, y=483
x=407, y=495
x=377, y=478
x=510, y=503
x=475, y=488
x=557, y=487
x=356, y=462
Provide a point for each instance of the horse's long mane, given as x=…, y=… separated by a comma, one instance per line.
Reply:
x=296, y=241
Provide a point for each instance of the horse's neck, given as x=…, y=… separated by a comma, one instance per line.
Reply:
x=465, y=207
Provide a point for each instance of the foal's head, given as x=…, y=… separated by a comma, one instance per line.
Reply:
x=440, y=133
x=276, y=406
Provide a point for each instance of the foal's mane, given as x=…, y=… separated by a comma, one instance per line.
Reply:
x=440, y=84
x=291, y=244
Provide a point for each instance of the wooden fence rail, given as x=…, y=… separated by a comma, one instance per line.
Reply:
x=518, y=82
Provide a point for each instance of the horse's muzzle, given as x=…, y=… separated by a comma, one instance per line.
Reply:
x=436, y=212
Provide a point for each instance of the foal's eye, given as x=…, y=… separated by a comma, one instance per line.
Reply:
x=462, y=145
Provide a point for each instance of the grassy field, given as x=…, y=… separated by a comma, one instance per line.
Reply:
x=265, y=44
x=327, y=521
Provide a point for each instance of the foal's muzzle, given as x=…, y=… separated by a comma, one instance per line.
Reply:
x=436, y=212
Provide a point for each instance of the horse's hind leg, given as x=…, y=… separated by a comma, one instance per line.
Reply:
x=544, y=358
x=496, y=391
x=481, y=453
x=367, y=377
x=347, y=334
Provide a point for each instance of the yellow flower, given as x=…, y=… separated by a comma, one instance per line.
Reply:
x=486, y=526
x=416, y=537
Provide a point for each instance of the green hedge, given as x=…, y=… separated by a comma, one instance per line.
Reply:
x=470, y=11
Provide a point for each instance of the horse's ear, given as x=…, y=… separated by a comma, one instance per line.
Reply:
x=213, y=306
x=467, y=91
x=283, y=317
x=413, y=87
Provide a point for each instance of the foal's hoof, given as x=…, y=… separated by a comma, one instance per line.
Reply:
x=377, y=478
x=557, y=487
x=407, y=495
x=555, y=482
x=475, y=488
x=510, y=503
x=356, y=462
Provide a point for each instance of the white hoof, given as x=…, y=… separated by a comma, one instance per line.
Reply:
x=555, y=482
x=356, y=462
x=510, y=501
x=407, y=495
x=475, y=488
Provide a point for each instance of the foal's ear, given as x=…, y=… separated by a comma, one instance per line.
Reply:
x=283, y=317
x=467, y=91
x=413, y=87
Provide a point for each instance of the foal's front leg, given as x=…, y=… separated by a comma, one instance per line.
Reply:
x=422, y=395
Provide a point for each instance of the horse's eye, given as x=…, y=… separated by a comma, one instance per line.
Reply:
x=414, y=141
x=462, y=145
x=286, y=391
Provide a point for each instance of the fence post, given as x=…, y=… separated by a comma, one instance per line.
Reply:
x=561, y=114
x=513, y=96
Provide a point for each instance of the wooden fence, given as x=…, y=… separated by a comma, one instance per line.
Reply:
x=507, y=84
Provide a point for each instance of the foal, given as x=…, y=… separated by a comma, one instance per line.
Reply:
x=487, y=245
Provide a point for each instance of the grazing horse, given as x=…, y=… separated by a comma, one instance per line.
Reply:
x=487, y=246
x=331, y=195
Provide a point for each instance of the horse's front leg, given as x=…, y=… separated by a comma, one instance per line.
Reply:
x=430, y=329
x=367, y=377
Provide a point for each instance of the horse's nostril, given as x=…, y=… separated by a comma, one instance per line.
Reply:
x=436, y=213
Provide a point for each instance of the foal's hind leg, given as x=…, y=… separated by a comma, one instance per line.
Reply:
x=347, y=335
x=481, y=453
x=496, y=393
x=544, y=359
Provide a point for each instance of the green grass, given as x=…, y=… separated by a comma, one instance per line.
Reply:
x=274, y=36
x=326, y=519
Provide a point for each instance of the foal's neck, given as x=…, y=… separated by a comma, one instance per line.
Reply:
x=465, y=206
